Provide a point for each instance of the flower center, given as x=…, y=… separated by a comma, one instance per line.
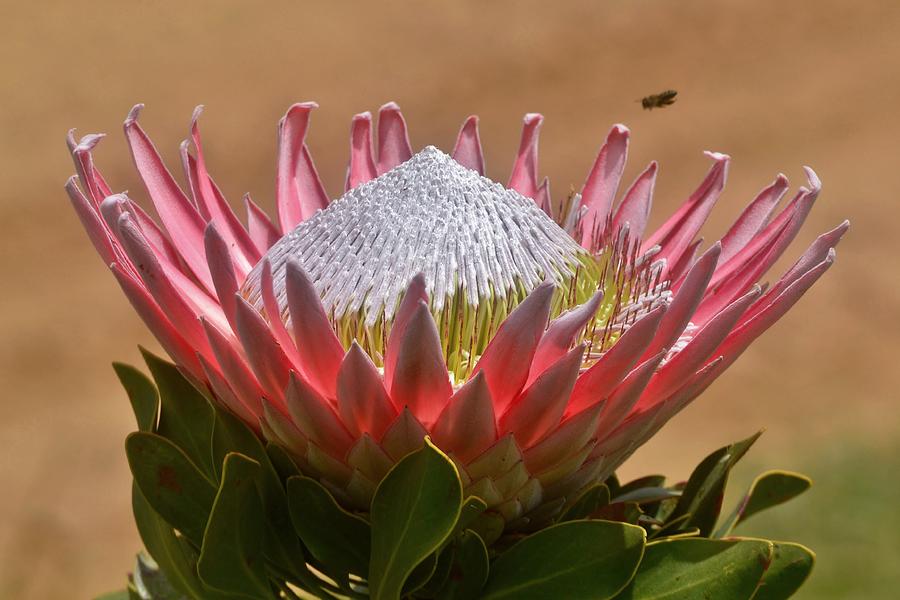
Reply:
x=481, y=247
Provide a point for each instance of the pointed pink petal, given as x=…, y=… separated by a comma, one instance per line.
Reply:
x=739, y=339
x=415, y=293
x=362, y=164
x=92, y=223
x=298, y=190
x=181, y=220
x=784, y=227
x=175, y=306
x=701, y=346
x=316, y=419
x=222, y=271
x=684, y=264
x=685, y=302
x=753, y=219
x=227, y=397
x=677, y=234
x=262, y=231
x=362, y=401
x=84, y=165
x=602, y=378
x=818, y=252
x=560, y=335
x=563, y=441
x=507, y=359
x=393, y=140
x=274, y=314
x=626, y=395
x=467, y=151
x=541, y=405
x=215, y=208
x=236, y=370
x=467, y=426
x=420, y=380
x=524, y=177
x=635, y=206
x=319, y=350
x=157, y=237
x=145, y=306
x=601, y=184
x=266, y=358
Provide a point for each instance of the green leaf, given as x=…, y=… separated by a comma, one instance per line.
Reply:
x=413, y=511
x=699, y=569
x=769, y=489
x=702, y=496
x=186, y=417
x=791, y=565
x=590, y=500
x=647, y=495
x=230, y=434
x=577, y=559
x=231, y=558
x=174, y=556
x=469, y=570
x=648, y=481
x=150, y=582
x=440, y=575
x=335, y=537
x=472, y=508
x=171, y=483
x=142, y=394
x=282, y=462
x=421, y=574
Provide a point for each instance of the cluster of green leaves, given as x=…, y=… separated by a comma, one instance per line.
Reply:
x=224, y=516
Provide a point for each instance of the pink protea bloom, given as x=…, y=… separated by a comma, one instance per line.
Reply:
x=538, y=343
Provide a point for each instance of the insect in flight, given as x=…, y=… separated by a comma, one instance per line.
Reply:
x=660, y=100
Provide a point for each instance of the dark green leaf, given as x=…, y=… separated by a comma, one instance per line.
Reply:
x=142, y=394
x=623, y=512
x=440, y=575
x=702, y=496
x=420, y=575
x=335, y=537
x=489, y=526
x=577, y=559
x=282, y=461
x=769, y=489
x=173, y=555
x=413, y=511
x=232, y=555
x=282, y=546
x=648, y=481
x=648, y=494
x=186, y=417
x=171, y=483
x=590, y=500
x=791, y=565
x=699, y=569
x=151, y=583
x=469, y=570
x=472, y=508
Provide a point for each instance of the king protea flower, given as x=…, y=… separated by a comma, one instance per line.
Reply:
x=538, y=342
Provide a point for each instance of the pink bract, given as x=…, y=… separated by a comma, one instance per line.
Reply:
x=547, y=405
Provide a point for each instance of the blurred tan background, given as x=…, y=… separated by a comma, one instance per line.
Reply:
x=775, y=84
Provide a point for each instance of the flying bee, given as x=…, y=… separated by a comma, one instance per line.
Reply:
x=660, y=100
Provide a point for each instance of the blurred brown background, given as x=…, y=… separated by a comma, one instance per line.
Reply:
x=775, y=84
